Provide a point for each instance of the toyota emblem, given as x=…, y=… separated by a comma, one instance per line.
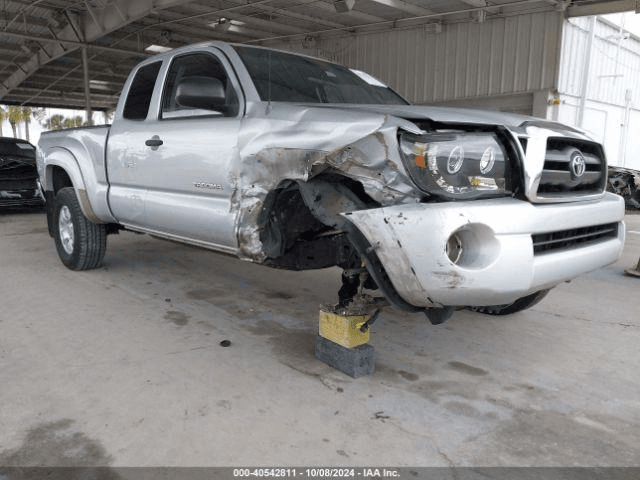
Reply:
x=577, y=164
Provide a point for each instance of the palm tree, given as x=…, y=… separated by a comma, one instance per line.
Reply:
x=3, y=115
x=54, y=122
x=72, y=122
x=108, y=115
x=15, y=117
x=39, y=114
x=25, y=114
x=58, y=122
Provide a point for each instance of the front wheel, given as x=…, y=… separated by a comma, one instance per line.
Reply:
x=81, y=244
x=517, y=306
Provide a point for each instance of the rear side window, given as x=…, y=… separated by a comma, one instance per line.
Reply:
x=140, y=92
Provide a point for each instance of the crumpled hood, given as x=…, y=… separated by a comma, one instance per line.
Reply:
x=514, y=122
x=361, y=117
x=449, y=114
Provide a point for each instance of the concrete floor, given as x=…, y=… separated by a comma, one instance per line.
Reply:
x=122, y=366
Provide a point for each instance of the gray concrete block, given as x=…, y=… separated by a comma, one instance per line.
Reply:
x=355, y=362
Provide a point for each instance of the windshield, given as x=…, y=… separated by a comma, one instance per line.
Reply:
x=284, y=77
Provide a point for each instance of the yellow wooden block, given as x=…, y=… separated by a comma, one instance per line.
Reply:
x=343, y=329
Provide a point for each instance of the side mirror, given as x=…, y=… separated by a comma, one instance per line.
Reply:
x=202, y=92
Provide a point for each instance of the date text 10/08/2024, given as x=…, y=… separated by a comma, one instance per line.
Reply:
x=315, y=473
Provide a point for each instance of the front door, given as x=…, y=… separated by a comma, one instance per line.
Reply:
x=171, y=174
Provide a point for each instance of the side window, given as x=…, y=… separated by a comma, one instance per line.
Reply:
x=196, y=65
x=140, y=92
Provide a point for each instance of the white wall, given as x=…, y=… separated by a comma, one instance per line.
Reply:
x=489, y=60
x=612, y=95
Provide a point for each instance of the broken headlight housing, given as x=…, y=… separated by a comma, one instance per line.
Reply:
x=456, y=164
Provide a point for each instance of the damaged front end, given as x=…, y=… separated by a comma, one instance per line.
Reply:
x=433, y=215
x=296, y=204
x=435, y=207
x=291, y=199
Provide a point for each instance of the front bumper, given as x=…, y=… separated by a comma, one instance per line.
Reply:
x=497, y=263
x=21, y=198
x=20, y=187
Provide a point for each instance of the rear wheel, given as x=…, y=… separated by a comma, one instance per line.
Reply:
x=517, y=306
x=81, y=244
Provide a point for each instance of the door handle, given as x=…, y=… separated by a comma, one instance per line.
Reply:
x=154, y=142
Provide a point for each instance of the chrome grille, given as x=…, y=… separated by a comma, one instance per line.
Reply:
x=572, y=168
x=552, y=241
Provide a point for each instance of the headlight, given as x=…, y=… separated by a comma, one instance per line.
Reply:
x=457, y=165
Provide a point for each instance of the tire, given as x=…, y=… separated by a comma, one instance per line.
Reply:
x=509, y=308
x=81, y=244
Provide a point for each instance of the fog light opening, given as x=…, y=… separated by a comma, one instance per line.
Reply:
x=473, y=246
x=454, y=248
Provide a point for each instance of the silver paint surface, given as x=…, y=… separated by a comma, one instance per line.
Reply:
x=270, y=142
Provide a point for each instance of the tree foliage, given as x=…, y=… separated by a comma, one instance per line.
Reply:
x=16, y=115
x=58, y=122
x=72, y=122
x=3, y=115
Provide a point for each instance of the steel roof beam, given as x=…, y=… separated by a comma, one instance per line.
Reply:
x=476, y=3
x=69, y=43
x=602, y=8
x=92, y=26
x=299, y=16
x=260, y=24
x=404, y=7
x=353, y=14
x=29, y=92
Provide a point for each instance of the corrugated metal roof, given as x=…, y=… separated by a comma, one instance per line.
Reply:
x=41, y=40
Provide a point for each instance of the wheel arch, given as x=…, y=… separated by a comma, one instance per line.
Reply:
x=63, y=170
x=325, y=199
x=326, y=195
x=299, y=229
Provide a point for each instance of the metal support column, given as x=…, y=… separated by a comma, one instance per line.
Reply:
x=622, y=152
x=87, y=91
x=586, y=65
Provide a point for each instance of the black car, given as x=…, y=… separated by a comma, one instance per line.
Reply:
x=18, y=174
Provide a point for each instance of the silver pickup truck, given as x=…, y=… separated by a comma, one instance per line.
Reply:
x=298, y=163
